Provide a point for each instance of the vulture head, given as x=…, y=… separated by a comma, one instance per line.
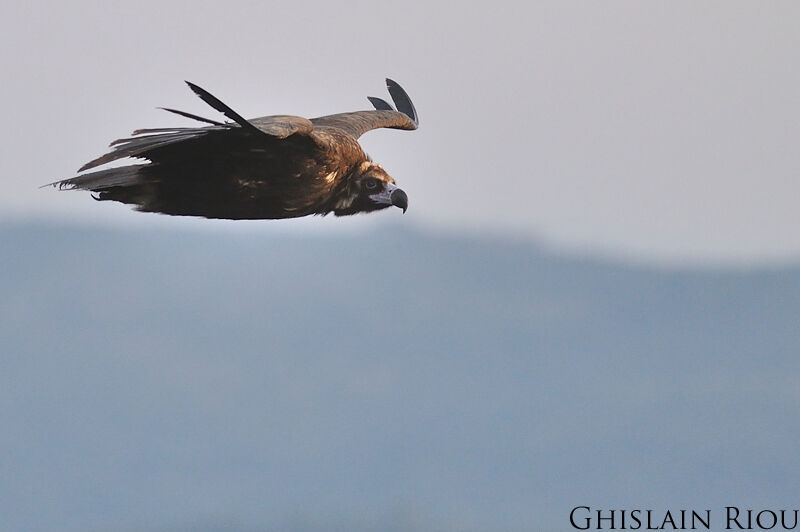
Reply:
x=368, y=189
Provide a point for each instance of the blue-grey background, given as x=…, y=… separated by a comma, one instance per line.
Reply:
x=594, y=298
x=392, y=380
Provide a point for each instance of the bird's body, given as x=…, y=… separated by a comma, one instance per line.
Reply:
x=269, y=167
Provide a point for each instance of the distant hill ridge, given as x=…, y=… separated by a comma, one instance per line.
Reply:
x=157, y=379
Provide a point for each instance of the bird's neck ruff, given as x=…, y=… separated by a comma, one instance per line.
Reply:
x=352, y=185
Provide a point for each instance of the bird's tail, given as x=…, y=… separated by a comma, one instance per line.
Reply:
x=123, y=176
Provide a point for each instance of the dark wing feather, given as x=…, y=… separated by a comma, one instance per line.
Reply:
x=280, y=126
x=380, y=104
x=150, y=131
x=401, y=100
x=193, y=117
x=217, y=104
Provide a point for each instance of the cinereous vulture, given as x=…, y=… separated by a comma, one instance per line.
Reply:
x=270, y=167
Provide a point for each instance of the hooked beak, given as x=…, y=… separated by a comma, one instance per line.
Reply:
x=391, y=195
x=399, y=199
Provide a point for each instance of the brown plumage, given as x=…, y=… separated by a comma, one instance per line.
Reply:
x=269, y=167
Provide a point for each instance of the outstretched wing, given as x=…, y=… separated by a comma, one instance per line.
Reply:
x=145, y=141
x=359, y=122
x=149, y=143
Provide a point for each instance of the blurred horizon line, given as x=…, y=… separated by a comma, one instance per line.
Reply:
x=351, y=227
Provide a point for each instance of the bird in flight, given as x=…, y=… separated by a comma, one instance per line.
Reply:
x=264, y=168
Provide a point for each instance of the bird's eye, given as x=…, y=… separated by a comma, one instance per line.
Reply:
x=371, y=183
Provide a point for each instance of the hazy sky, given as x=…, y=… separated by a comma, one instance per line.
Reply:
x=666, y=131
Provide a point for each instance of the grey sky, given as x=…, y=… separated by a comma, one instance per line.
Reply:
x=665, y=131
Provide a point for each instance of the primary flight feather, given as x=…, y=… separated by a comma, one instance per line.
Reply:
x=263, y=168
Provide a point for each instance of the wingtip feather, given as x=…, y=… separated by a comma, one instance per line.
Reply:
x=223, y=108
x=402, y=100
x=380, y=104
